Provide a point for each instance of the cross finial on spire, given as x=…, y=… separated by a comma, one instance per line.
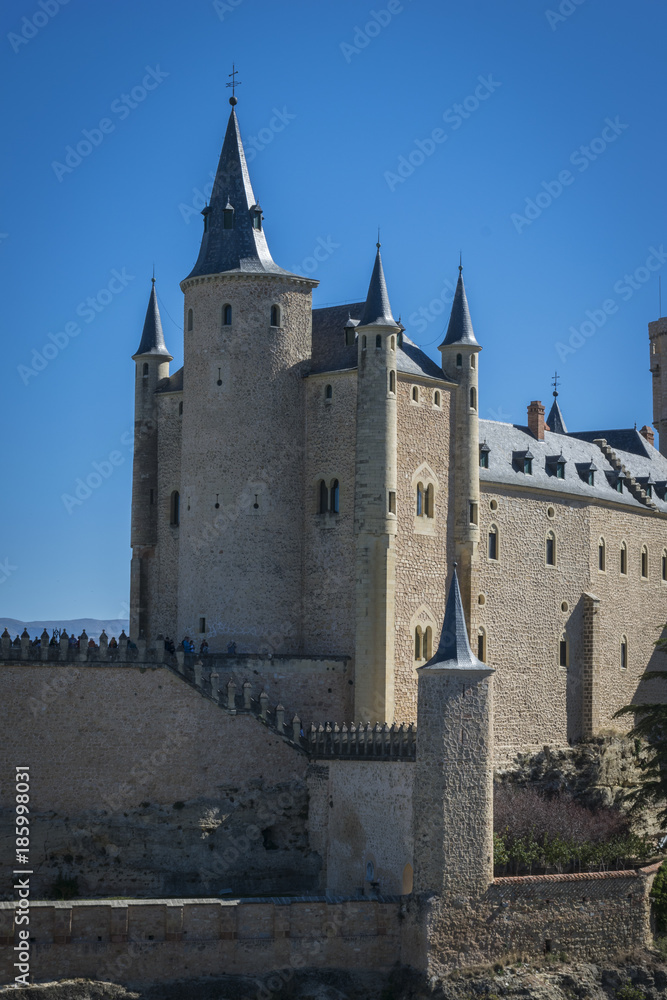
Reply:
x=234, y=84
x=153, y=278
x=554, y=383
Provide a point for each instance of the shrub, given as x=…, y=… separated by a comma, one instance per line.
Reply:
x=659, y=898
x=64, y=888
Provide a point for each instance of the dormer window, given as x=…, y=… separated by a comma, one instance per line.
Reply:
x=591, y=477
x=556, y=466
x=484, y=455
x=619, y=484
x=206, y=212
x=587, y=472
x=349, y=333
x=527, y=466
x=228, y=217
x=256, y=217
x=523, y=462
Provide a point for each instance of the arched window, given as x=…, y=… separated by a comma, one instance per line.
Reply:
x=335, y=497
x=644, y=563
x=322, y=497
x=459, y=361
x=415, y=393
x=418, y=643
x=473, y=360
x=664, y=565
x=436, y=398
x=226, y=314
x=602, y=555
x=551, y=549
x=493, y=542
x=428, y=500
x=624, y=559
x=392, y=382
x=175, y=509
x=481, y=645
x=473, y=398
x=363, y=342
x=180, y=409
x=191, y=320
x=378, y=341
x=144, y=371
x=564, y=651
x=427, y=645
x=393, y=343
x=328, y=392
x=624, y=652
x=275, y=315
x=420, y=499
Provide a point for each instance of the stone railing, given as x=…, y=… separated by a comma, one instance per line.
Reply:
x=233, y=695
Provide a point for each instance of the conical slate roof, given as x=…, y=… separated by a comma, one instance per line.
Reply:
x=241, y=248
x=460, y=329
x=454, y=652
x=377, y=310
x=152, y=337
x=555, y=420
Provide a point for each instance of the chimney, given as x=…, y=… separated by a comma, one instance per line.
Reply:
x=647, y=432
x=536, y=419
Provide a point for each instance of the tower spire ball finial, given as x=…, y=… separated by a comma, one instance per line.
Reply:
x=233, y=100
x=554, y=383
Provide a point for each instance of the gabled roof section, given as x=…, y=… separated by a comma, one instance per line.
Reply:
x=152, y=337
x=454, y=652
x=460, y=329
x=242, y=248
x=555, y=420
x=377, y=310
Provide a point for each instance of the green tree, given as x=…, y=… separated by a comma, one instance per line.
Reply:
x=651, y=728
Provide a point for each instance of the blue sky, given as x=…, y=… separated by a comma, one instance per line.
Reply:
x=549, y=177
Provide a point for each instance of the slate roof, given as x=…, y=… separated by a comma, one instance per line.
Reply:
x=330, y=353
x=454, y=652
x=377, y=309
x=629, y=440
x=506, y=440
x=174, y=383
x=460, y=329
x=555, y=419
x=243, y=248
x=152, y=337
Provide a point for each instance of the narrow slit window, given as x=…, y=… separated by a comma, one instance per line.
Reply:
x=624, y=559
x=322, y=497
x=644, y=563
x=202, y=625
x=363, y=342
x=624, y=653
x=328, y=392
x=191, y=320
x=602, y=555
x=481, y=645
x=493, y=543
x=459, y=361
x=335, y=497
x=428, y=643
x=392, y=502
x=474, y=512
x=551, y=549
x=378, y=341
x=473, y=398
x=664, y=566
x=275, y=315
x=420, y=499
x=429, y=500
x=175, y=509
x=436, y=398
x=392, y=382
x=415, y=394
x=418, y=643
x=227, y=314
x=563, y=651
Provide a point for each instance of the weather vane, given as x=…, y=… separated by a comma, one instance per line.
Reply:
x=234, y=84
x=555, y=384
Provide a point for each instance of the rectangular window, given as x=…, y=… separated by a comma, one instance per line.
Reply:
x=152, y=497
x=483, y=459
x=664, y=568
x=202, y=624
x=560, y=470
x=474, y=515
x=392, y=502
x=563, y=653
x=591, y=479
x=551, y=553
x=624, y=655
x=528, y=466
x=493, y=545
x=624, y=561
x=480, y=648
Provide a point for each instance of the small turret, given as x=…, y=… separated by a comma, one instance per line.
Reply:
x=453, y=791
x=151, y=365
x=459, y=352
x=375, y=502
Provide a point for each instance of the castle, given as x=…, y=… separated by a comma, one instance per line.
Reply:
x=321, y=501
x=302, y=484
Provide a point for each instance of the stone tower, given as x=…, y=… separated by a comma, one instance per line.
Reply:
x=453, y=788
x=247, y=341
x=375, y=504
x=459, y=352
x=151, y=364
x=657, y=332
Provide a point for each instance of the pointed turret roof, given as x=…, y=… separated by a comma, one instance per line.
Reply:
x=377, y=310
x=460, y=329
x=454, y=652
x=152, y=337
x=555, y=421
x=243, y=247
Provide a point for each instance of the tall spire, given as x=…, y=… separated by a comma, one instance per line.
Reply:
x=233, y=237
x=454, y=652
x=555, y=420
x=460, y=329
x=377, y=310
x=152, y=337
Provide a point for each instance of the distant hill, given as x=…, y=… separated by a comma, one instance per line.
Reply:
x=93, y=626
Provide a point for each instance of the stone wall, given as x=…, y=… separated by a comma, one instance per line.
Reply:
x=150, y=941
